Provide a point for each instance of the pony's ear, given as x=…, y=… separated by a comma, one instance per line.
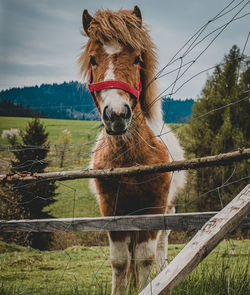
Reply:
x=137, y=13
x=86, y=20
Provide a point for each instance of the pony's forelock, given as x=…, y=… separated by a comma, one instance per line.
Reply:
x=122, y=26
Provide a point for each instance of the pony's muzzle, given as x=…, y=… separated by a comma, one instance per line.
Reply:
x=116, y=121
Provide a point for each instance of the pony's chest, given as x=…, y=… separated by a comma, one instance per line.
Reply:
x=133, y=195
x=130, y=154
x=142, y=194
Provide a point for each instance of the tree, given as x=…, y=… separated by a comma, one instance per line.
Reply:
x=31, y=155
x=63, y=145
x=220, y=131
x=34, y=197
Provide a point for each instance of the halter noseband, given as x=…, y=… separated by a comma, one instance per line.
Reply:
x=114, y=84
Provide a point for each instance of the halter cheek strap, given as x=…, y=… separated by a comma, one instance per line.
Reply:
x=113, y=84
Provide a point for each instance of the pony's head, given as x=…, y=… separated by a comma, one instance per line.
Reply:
x=120, y=51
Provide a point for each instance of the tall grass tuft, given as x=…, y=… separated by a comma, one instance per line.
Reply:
x=229, y=276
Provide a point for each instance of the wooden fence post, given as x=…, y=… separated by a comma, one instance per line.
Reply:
x=201, y=245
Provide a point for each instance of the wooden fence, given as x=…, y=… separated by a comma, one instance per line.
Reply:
x=217, y=224
x=178, y=221
x=195, y=163
x=210, y=235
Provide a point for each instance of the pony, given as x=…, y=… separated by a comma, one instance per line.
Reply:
x=119, y=59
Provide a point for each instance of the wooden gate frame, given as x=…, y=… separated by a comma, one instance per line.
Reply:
x=206, y=239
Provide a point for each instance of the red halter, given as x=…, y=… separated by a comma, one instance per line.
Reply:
x=113, y=84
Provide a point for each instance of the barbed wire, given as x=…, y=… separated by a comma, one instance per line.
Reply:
x=172, y=84
x=195, y=36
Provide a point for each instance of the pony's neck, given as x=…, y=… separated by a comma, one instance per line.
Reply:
x=128, y=149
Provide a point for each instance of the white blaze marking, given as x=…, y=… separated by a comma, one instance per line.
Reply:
x=110, y=73
x=112, y=48
x=111, y=96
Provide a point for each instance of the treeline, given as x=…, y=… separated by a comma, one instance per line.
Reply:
x=59, y=101
x=223, y=126
x=73, y=101
x=176, y=111
x=8, y=108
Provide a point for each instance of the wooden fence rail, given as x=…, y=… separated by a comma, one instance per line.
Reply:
x=178, y=221
x=201, y=245
x=217, y=160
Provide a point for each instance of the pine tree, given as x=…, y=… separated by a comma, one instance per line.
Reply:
x=31, y=157
x=224, y=130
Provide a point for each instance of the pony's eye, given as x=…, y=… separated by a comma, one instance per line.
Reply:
x=92, y=60
x=137, y=60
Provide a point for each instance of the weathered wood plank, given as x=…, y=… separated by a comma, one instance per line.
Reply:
x=201, y=245
x=178, y=221
x=217, y=160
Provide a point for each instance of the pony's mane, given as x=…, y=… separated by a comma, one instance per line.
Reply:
x=125, y=28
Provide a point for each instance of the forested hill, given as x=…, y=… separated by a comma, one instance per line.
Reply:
x=72, y=101
x=60, y=101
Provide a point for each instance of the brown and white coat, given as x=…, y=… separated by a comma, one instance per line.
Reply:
x=118, y=43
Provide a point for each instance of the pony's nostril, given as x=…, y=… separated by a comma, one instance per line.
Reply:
x=127, y=112
x=113, y=116
x=106, y=115
x=109, y=114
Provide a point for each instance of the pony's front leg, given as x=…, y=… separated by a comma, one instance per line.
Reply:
x=162, y=250
x=145, y=253
x=120, y=261
x=162, y=245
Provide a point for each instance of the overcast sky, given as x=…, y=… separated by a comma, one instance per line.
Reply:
x=40, y=41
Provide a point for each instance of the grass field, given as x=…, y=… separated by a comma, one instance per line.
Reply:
x=87, y=270
x=83, y=134
x=78, y=129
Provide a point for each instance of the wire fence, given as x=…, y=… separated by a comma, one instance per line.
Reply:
x=77, y=195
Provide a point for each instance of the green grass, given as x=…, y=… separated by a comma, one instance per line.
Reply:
x=28, y=271
x=74, y=199
x=78, y=153
x=78, y=129
x=87, y=270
